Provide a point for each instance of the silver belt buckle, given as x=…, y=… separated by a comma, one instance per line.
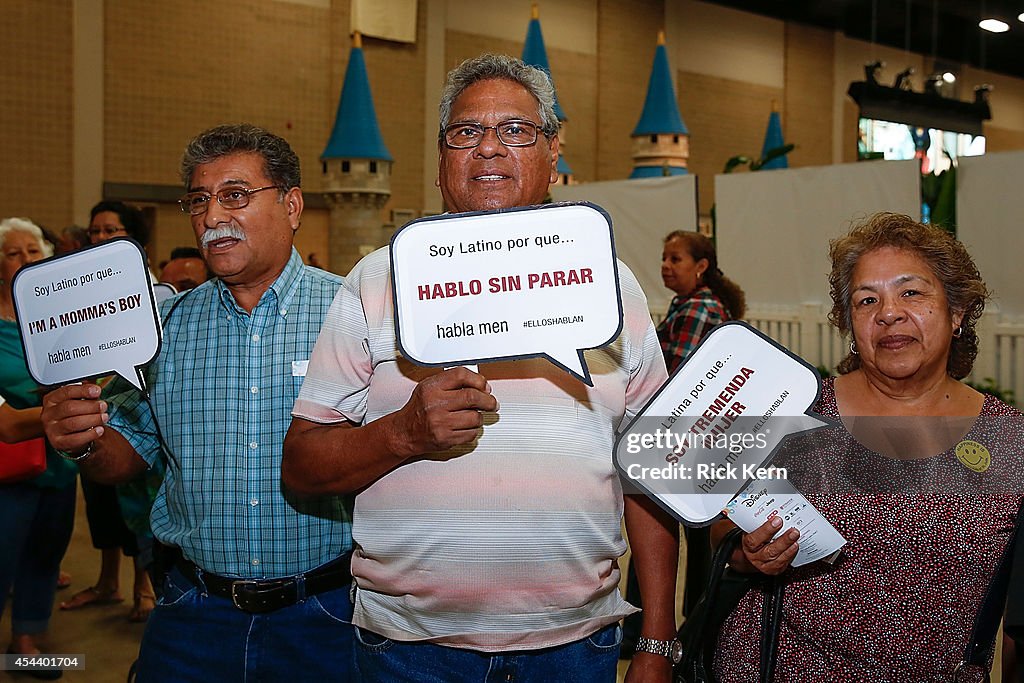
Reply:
x=234, y=590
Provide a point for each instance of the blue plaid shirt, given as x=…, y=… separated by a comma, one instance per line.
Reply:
x=223, y=388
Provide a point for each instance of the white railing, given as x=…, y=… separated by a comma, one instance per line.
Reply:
x=804, y=330
x=1001, y=353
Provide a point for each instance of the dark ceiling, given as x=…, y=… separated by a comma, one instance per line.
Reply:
x=947, y=29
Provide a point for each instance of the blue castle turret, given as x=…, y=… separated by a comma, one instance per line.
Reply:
x=772, y=140
x=661, y=142
x=356, y=169
x=535, y=54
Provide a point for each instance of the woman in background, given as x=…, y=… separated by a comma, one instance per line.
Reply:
x=110, y=534
x=704, y=296
x=36, y=516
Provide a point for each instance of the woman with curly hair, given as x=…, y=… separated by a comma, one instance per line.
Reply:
x=923, y=477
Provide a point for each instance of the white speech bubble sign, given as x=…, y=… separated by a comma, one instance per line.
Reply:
x=517, y=283
x=731, y=405
x=87, y=314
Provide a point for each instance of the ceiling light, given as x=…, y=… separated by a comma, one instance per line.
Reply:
x=1020, y=17
x=949, y=77
x=994, y=25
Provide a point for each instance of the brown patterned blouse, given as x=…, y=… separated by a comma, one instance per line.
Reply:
x=924, y=539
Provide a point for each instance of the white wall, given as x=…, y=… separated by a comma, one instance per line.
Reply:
x=643, y=212
x=989, y=218
x=773, y=227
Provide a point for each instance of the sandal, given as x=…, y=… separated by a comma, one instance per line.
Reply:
x=145, y=603
x=91, y=596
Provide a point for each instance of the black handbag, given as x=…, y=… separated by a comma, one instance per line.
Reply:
x=699, y=633
x=982, y=642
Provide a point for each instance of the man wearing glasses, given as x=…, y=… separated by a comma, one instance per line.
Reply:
x=261, y=588
x=488, y=511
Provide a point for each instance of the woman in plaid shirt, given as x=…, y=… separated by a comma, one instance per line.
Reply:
x=704, y=296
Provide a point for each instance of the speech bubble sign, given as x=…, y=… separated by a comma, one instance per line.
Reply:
x=517, y=283
x=87, y=314
x=718, y=421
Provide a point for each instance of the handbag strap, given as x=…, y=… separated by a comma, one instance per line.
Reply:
x=726, y=546
x=986, y=621
x=771, y=619
x=771, y=614
x=694, y=633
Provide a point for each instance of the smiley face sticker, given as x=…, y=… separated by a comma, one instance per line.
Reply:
x=973, y=455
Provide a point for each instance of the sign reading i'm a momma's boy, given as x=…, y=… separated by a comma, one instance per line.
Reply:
x=87, y=314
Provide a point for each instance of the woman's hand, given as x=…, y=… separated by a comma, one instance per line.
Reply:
x=758, y=552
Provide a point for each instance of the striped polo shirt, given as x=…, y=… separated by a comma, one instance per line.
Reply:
x=508, y=543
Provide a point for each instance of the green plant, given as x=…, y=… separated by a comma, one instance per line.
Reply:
x=939, y=193
x=757, y=164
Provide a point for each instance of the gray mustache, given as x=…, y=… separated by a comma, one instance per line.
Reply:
x=220, y=233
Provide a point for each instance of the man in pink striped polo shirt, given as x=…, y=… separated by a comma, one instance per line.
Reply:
x=488, y=515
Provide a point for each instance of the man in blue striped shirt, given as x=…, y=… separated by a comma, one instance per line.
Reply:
x=259, y=591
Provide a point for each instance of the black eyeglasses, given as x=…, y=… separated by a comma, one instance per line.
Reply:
x=512, y=133
x=196, y=203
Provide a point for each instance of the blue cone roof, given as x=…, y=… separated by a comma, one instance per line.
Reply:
x=356, y=134
x=656, y=171
x=773, y=139
x=535, y=54
x=661, y=111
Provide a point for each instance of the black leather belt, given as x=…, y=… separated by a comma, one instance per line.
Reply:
x=266, y=595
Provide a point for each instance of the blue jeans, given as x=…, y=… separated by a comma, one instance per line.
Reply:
x=35, y=527
x=590, y=660
x=192, y=636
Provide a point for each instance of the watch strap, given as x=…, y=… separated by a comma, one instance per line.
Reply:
x=657, y=647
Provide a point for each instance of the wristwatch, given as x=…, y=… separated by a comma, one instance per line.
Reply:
x=670, y=649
